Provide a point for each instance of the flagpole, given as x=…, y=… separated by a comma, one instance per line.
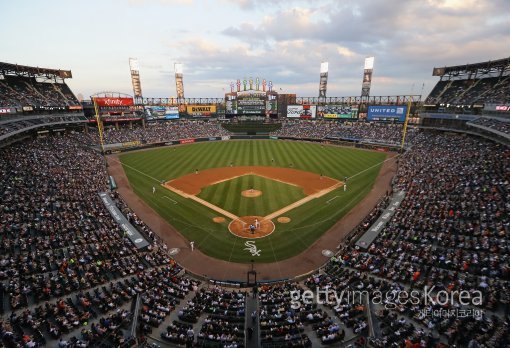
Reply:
x=404, y=132
x=100, y=131
x=99, y=125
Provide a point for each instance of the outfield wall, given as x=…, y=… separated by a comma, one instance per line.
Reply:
x=122, y=147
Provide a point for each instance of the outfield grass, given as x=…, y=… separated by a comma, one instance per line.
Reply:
x=275, y=195
x=146, y=169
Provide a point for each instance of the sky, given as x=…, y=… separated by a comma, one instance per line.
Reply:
x=283, y=41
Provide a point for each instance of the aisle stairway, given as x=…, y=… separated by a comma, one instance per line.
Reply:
x=252, y=305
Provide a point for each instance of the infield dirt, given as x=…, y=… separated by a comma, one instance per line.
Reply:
x=192, y=183
x=251, y=193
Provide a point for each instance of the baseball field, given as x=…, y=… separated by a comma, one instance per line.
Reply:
x=262, y=200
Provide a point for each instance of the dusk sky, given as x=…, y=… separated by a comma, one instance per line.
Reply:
x=285, y=41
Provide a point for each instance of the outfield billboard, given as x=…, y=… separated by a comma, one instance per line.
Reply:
x=387, y=113
x=201, y=110
x=162, y=112
x=339, y=111
x=171, y=112
x=301, y=111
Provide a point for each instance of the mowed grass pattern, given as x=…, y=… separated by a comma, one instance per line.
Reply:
x=146, y=169
x=275, y=195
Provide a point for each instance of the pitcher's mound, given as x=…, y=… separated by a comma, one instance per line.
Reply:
x=283, y=220
x=251, y=193
x=241, y=227
x=218, y=219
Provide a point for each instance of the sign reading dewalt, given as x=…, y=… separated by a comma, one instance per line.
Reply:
x=201, y=110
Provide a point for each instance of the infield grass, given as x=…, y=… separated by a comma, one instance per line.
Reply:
x=149, y=168
x=275, y=195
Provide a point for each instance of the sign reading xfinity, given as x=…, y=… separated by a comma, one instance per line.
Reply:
x=387, y=113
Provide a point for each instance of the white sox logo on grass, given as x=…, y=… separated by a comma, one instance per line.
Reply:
x=252, y=248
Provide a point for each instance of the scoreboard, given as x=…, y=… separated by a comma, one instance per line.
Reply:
x=251, y=103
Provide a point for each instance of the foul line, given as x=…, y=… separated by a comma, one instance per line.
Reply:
x=375, y=165
x=203, y=202
x=136, y=170
x=175, y=202
x=303, y=201
x=329, y=200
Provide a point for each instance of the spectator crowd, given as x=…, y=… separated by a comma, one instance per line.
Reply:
x=371, y=132
x=17, y=91
x=161, y=132
x=502, y=126
x=471, y=90
x=69, y=276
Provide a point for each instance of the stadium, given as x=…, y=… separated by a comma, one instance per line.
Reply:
x=261, y=218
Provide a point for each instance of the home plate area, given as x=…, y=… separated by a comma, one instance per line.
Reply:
x=251, y=227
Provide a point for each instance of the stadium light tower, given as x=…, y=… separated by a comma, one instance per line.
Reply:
x=367, y=77
x=323, y=82
x=135, y=79
x=179, y=84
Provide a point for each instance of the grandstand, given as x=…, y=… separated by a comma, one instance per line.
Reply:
x=29, y=89
x=72, y=275
x=464, y=88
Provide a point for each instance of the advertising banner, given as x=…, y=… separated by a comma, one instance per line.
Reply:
x=132, y=233
x=376, y=228
x=162, y=112
x=186, y=141
x=387, y=113
x=201, y=110
x=171, y=112
x=75, y=107
x=155, y=112
x=301, y=111
x=122, y=145
x=4, y=111
x=339, y=111
x=114, y=101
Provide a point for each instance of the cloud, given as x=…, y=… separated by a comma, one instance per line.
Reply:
x=344, y=51
x=286, y=40
x=249, y=5
x=160, y=2
x=407, y=38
